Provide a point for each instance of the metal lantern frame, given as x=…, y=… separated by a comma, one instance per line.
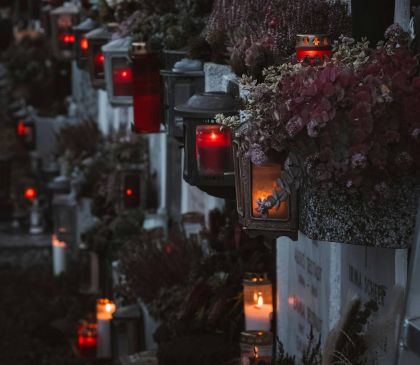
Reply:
x=126, y=173
x=313, y=48
x=200, y=110
x=65, y=219
x=255, y=226
x=117, y=51
x=70, y=13
x=96, y=39
x=80, y=32
x=178, y=88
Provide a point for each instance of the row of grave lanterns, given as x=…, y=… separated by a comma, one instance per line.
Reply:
x=131, y=75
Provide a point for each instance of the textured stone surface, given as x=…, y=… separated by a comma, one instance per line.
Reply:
x=215, y=79
x=336, y=217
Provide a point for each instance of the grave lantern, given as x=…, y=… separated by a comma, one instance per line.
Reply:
x=132, y=186
x=81, y=43
x=59, y=249
x=105, y=308
x=87, y=338
x=146, y=89
x=256, y=348
x=207, y=148
x=118, y=75
x=26, y=132
x=63, y=20
x=193, y=224
x=95, y=58
x=313, y=48
x=258, y=302
x=179, y=84
x=256, y=184
x=127, y=331
x=65, y=218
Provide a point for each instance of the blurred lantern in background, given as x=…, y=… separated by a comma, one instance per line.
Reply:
x=207, y=148
x=30, y=194
x=258, y=302
x=105, y=308
x=256, y=348
x=179, y=84
x=26, y=132
x=132, y=186
x=96, y=60
x=313, y=49
x=63, y=20
x=127, y=331
x=118, y=74
x=87, y=338
x=146, y=89
x=264, y=207
x=81, y=43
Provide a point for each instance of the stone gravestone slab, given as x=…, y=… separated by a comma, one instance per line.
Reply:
x=308, y=282
x=372, y=273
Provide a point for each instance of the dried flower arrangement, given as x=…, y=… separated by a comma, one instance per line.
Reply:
x=350, y=123
x=259, y=34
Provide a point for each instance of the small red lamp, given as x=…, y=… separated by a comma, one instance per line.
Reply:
x=30, y=193
x=146, y=89
x=87, y=338
x=313, y=48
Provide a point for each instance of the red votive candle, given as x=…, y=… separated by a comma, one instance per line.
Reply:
x=146, y=90
x=99, y=65
x=213, y=150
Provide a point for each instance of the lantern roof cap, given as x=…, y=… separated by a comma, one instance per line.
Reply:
x=99, y=33
x=127, y=312
x=86, y=25
x=207, y=105
x=256, y=279
x=256, y=338
x=186, y=65
x=120, y=44
x=67, y=7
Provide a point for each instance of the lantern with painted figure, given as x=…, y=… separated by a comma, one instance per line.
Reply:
x=264, y=207
x=63, y=20
x=207, y=148
x=313, y=49
x=118, y=74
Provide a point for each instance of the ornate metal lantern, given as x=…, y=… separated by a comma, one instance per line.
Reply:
x=208, y=149
x=81, y=43
x=118, y=75
x=256, y=348
x=313, y=48
x=258, y=302
x=132, y=186
x=258, y=186
x=95, y=58
x=127, y=331
x=179, y=84
x=63, y=20
x=146, y=89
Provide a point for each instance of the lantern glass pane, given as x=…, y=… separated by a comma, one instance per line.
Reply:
x=213, y=150
x=264, y=181
x=122, y=80
x=238, y=181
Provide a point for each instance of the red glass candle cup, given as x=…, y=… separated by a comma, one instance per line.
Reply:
x=87, y=338
x=146, y=89
x=122, y=78
x=213, y=150
x=313, y=48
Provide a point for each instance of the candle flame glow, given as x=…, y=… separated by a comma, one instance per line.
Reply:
x=260, y=300
x=256, y=352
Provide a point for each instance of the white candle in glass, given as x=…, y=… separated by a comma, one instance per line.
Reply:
x=258, y=314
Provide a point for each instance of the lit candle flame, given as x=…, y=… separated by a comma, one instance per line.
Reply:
x=260, y=300
x=256, y=352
